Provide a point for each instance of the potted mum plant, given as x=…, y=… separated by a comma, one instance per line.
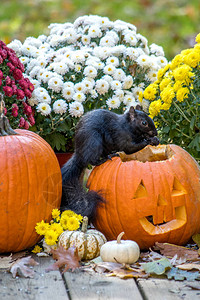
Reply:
x=174, y=100
x=89, y=64
x=16, y=89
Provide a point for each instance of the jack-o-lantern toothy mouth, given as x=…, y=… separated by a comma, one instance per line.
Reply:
x=153, y=229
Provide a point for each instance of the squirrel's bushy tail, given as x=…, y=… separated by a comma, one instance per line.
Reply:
x=74, y=196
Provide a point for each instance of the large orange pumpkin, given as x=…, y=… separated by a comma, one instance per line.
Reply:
x=152, y=195
x=30, y=187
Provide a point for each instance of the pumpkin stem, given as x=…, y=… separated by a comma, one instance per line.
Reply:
x=84, y=224
x=119, y=237
x=5, y=128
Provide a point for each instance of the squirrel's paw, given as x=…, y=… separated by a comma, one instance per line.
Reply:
x=154, y=141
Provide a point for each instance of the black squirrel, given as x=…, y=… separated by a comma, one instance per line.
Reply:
x=99, y=135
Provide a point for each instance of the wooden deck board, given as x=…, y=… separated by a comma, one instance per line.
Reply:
x=91, y=286
x=44, y=286
x=163, y=289
x=95, y=286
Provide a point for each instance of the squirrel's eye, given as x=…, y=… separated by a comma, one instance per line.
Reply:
x=144, y=123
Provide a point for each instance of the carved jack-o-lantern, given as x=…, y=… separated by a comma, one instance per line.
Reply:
x=152, y=195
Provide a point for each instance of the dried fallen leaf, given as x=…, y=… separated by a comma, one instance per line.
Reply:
x=170, y=250
x=19, y=267
x=6, y=262
x=189, y=267
x=196, y=239
x=124, y=274
x=157, y=267
x=65, y=259
x=178, y=274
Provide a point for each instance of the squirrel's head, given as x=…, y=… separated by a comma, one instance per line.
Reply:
x=141, y=121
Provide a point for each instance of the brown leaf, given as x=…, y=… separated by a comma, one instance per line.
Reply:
x=19, y=267
x=196, y=239
x=65, y=259
x=189, y=267
x=132, y=69
x=6, y=262
x=170, y=250
x=124, y=274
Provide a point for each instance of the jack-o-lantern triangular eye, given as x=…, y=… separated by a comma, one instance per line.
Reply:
x=178, y=189
x=141, y=191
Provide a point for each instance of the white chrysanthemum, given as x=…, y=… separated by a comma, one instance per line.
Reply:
x=78, y=68
x=113, y=102
x=88, y=85
x=55, y=84
x=157, y=50
x=78, y=96
x=44, y=109
x=119, y=94
x=105, y=23
x=16, y=45
x=40, y=73
x=44, y=97
x=46, y=76
x=60, y=106
x=144, y=61
x=128, y=82
x=35, y=82
x=109, y=69
x=54, y=40
x=33, y=41
x=130, y=38
x=119, y=74
x=136, y=91
x=112, y=60
x=116, y=84
x=79, y=87
x=118, y=50
x=102, y=86
x=60, y=68
x=78, y=56
x=28, y=50
x=94, y=32
x=152, y=75
x=34, y=71
x=42, y=38
x=68, y=93
x=107, y=78
x=76, y=109
x=100, y=65
x=102, y=52
x=93, y=94
x=133, y=53
x=161, y=61
x=107, y=41
x=24, y=59
x=44, y=47
x=129, y=100
x=142, y=39
x=85, y=39
x=70, y=36
x=68, y=84
x=90, y=71
x=42, y=61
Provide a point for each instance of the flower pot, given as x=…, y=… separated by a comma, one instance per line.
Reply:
x=63, y=158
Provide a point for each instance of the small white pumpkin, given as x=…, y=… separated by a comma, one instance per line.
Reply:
x=121, y=251
x=88, y=242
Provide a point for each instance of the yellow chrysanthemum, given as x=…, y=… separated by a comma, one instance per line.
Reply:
x=51, y=237
x=37, y=249
x=57, y=228
x=166, y=106
x=164, y=83
x=154, y=108
x=178, y=85
x=182, y=94
x=176, y=61
x=167, y=94
x=63, y=221
x=79, y=217
x=198, y=38
x=55, y=213
x=140, y=97
x=182, y=73
x=150, y=92
x=197, y=47
x=41, y=227
x=192, y=59
x=160, y=74
x=68, y=213
x=73, y=223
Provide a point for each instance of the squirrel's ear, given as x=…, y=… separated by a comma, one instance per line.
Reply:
x=138, y=107
x=132, y=113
